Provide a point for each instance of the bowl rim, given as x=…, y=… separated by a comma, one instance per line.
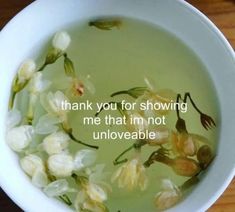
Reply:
x=217, y=33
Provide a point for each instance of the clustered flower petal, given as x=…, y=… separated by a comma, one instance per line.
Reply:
x=131, y=175
x=169, y=195
x=61, y=165
x=19, y=138
x=56, y=142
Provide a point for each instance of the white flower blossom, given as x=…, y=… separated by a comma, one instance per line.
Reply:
x=84, y=158
x=38, y=84
x=53, y=104
x=61, y=165
x=19, y=138
x=56, y=142
x=31, y=163
x=95, y=192
x=131, y=175
x=61, y=41
x=169, y=195
x=83, y=202
x=57, y=188
x=26, y=71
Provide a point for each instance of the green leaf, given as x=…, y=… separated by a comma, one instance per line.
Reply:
x=52, y=56
x=69, y=67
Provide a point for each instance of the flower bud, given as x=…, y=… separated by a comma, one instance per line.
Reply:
x=185, y=166
x=56, y=143
x=52, y=56
x=19, y=138
x=61, y=41
x=184, y=144
x=60, y=165
x=69, y=67
x=26, y=71
x=204, y=155
x=31, y=163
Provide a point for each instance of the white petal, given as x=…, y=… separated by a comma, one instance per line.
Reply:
x=47, y=124
x=166, y=199
x=53, y=104
x=61, y=165
x=56, y=188
x=96, y=193
x=38, y=84
x=79, y=200
x=150, y=83
x=88, y=84
x=98, y=174
x=61, y=40
x=13, y=118
x=167, y=184
x=84, y=158
x=39, y=178
x=31, y=163
x=19, y=138
x=56, y=142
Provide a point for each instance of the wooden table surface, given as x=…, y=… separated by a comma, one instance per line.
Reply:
x=221, y=12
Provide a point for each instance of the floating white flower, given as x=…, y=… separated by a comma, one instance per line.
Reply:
x=84, y=158
x=38, y=84
x=169, y=195
x=53, y=103
x=26, y=71
x=95, y=192
x=61, y=41
x=19, y=138
x=60, y=165
x=31, y=163
x=131, y=175
x=57, y=188
x=56, y=143
x=83, y=202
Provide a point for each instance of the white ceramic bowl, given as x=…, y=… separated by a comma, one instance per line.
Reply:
x=41, y=19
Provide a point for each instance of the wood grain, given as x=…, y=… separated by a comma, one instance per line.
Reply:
x=221, y=12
